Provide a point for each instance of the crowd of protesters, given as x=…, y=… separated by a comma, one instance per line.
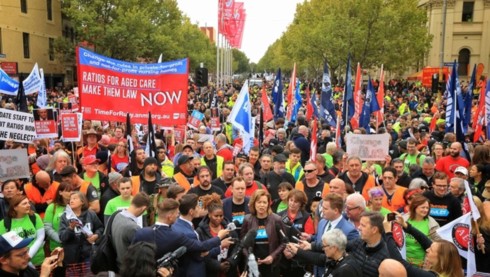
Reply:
x=326, y=214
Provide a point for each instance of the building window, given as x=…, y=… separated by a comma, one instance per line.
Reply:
x=468, y=11
x=463, y=61
x=25, y=40
x=23, y=6
x=51, y=49
x=49, y=8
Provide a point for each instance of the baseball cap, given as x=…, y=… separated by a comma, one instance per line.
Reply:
x=90, y=159
x=280, y=158
x=462, y=170
x=11, y=240
x=183, y=159
x=188, y=146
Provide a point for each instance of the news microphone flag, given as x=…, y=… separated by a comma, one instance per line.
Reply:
x=278, y=97
x=327, y=104
x=241, y=117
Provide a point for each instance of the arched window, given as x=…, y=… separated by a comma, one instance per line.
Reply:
x=463, y=61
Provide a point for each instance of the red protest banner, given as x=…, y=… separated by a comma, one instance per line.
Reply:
x=69, y=127
x=109, y=89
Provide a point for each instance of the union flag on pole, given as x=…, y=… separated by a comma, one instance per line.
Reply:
x=314, y=140
x=291, y=91
x=358, y=102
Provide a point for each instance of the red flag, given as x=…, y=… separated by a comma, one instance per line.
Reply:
x=479, y=118
x=433, y=121
x=358, y=102
x=309, y=106
x=291, y=89
x=267, y=107
x=314, y=141
x=338, y=134
x=380, y=96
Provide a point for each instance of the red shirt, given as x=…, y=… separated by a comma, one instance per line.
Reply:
x=226, y=153
x=449, y=164
x=249, y=191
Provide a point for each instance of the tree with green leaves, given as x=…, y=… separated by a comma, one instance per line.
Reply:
x=374, y=32
x=138, y=30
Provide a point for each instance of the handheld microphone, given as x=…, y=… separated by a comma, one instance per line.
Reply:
x=284, y=238
x=288, y=223
x=247, y=241
x=231, y=226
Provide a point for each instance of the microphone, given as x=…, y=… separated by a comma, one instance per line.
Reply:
x=288, y=223
x=232, y=225
x=253, y=267
x=284, y=238
x=247, y=242
x=169, y=259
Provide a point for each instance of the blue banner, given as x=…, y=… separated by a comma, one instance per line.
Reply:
x=32, y=83
x=8, y=85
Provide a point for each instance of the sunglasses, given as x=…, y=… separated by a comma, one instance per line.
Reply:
x=309, y=170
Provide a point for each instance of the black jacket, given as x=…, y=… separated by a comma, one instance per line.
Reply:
x=368, y=258
x=346, y=266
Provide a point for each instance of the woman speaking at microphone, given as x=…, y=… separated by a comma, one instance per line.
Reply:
x=267, y=247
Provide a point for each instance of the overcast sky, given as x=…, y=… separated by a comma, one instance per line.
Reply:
x=266, y=21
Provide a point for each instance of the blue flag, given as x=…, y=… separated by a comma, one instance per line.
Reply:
x=241, y=118
x=327, y=106
x=278, y=97
x=454, y=106
x=316, y=113
x=297, y=101
x=468, y=101
x=8, y=85
x=348, y=101
x=370, y=106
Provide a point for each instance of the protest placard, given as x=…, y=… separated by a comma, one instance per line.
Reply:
x=69, y=127
x=109, y=89
x=45, y=123
x=14, y=164
x=17, y=126
x=195, y=119
x=368, y=147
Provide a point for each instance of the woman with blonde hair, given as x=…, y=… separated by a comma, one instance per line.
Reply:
x=267, y=246
x=120, y=158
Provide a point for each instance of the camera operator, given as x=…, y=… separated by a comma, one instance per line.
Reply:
x=140, y=261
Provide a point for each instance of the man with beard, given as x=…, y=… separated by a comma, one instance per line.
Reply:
x=205, y=187
x=402, y=176
x=225, y=180
x=185, y=176
x=278, y=175
x=448, y=164
x=214, y=162
x=135, y=168
x=149, y=178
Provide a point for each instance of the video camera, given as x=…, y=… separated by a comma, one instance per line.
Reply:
x=171, y=260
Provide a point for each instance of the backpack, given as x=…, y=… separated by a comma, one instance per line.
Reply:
x=103, y=256
x=7, y=222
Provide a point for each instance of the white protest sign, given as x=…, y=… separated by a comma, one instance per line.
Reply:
x=368, y=147
x=14, y=164
x=17, y=126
